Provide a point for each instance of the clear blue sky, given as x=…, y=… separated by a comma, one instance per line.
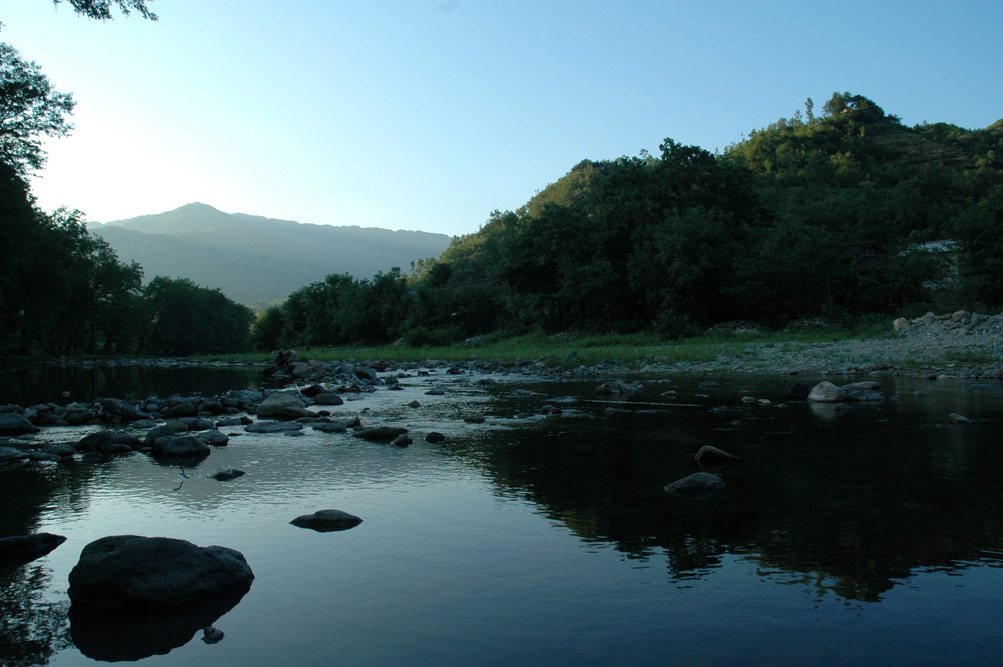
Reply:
x=429, y=114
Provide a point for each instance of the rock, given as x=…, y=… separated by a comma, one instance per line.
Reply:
x=826, y=392
x=211, y=635
x=366, y=374
x=698, y=486
x=435, y=437
x=414, y=404
x=133, y=572
x=864, y=395
x=20, y=549
x=474, y=419
x=215, y=438
x=617, y=387
x=403, y=441
x=380, y=433
x=282, y=406
x=108, y=442
x=326, y=521
x=328, y=398
x=8, y=454
x=959, y=418
x=226, y=474
x=273, y=427
x=330, y=427
x=900, y=323
x=960, y=315
x=300, y=369
x=710, y=454
x=179, y=447
x=13, y=424
x=867, y=384
x=748, y=399
x=182, y=409
x=59, y=449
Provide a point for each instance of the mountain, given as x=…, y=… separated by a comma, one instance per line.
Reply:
x=256, y=260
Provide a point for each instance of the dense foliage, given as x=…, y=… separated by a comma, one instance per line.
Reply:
x=814, y=216
x=64, y=291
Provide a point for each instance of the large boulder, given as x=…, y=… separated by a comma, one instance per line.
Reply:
x=14, y=424
x=326, y=521
x=282, y=406
x=698, y=486
x=133, y=572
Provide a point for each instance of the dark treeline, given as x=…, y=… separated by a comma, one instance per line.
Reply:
x=64, y=291
x=827, y=215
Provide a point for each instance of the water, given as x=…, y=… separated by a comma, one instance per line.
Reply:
x=47, y=384
x=873, y=535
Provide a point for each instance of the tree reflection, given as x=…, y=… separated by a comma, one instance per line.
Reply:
x=849, y=507
x=33, y=629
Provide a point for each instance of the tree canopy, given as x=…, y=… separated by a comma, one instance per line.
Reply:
x=101, y=9
x=30, y=108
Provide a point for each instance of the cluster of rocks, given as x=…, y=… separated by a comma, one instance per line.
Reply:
x=958, y=323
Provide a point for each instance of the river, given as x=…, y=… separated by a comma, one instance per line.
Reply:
x=870, y=535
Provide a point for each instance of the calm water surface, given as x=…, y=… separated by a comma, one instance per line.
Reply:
x=873, y=535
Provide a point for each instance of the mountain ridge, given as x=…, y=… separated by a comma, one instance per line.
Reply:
x=257, y=260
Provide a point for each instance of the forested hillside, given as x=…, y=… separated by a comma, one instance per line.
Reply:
x=818, y=215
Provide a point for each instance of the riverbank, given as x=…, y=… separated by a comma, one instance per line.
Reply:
x=959, y=344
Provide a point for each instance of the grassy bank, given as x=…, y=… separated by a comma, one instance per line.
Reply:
x=570, y=349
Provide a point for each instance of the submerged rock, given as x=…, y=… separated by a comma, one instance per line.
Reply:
x=698, y=486
x=618, y=387
x=226, y=474
x=710, y=454
x=326, y=521
x=20, y=549
x=380, y=433
x=957, y=418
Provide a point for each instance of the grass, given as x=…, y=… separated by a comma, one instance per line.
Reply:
x=575, y=349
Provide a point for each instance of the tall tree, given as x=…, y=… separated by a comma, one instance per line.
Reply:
x=30, y=108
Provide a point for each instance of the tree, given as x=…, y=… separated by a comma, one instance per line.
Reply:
x=29, y=109
x=189, y=319
x=101, y=9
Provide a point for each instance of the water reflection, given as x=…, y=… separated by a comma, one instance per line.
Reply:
x=33, y=629
x=884, y=496
x=129, y=382
x=854, y=505
x=114, y=637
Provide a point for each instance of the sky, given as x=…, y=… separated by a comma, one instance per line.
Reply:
x=429, y=114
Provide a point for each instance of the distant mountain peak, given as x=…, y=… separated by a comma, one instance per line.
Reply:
x=256, y=260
